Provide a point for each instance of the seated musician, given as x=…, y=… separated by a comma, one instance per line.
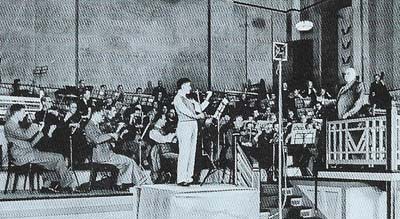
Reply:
x=99, y=98
x=242, y=106
x=319, y=111
x=291, y=118
x=323, y=96
x=154, y=110
x=23, y=151
x=120, y=110
x=69, y=132
x=160, y=92
x=164, y=142
x=129, y=172
x=102, y=92
x=292, y=99
x=119, y=94
x=51, y=119
x=85, y=104
x=256, y=143
x=310, y=92
x=125, y=144
x=257, y=116
x=81, y=87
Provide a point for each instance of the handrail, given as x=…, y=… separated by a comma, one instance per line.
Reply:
x=357, y=141
x=364, y=141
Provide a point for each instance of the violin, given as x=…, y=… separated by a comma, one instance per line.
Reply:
x=250, y=133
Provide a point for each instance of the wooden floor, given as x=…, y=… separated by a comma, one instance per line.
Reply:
x=35, y=195
x=95, y=204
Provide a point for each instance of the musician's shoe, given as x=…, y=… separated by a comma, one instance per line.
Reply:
x=78, y=190
x=48, y=190
x=73, y=190
x=167, y=177
x=183, y=184
x=155, y=177
x=121, y=188
x=127, y=186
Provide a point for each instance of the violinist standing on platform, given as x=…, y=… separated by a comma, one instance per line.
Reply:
x=188, y=111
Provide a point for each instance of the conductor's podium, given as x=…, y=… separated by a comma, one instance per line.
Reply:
x=207, y=201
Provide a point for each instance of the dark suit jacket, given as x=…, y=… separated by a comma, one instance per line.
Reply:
x=379, y=95
x=350, y=99
x=83, y=107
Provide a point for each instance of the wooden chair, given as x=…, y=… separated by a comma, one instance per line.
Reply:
x=28, y=170
x=95, y=168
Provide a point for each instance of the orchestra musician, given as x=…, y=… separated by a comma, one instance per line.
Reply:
x=379, y=95
x=188, y=111
x=164, y=143
x=129, y=171
x=85, y=104
x=51, y=119
x=70, y=135
x=23, y=150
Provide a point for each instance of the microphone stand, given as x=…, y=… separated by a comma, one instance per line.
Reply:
x=71, y=164
x=215, y=158
x=213, y=167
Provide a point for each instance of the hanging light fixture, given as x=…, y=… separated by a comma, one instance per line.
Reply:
x=303, y=26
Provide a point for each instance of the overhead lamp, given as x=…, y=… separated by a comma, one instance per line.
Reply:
x=303, y=26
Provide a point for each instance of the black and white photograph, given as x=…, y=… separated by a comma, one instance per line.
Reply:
x=200, y=109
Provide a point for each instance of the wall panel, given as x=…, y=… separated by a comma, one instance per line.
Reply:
x=132, y=42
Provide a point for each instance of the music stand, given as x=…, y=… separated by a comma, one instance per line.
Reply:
x=305, y=136
x=71, y=163
x=215, y=158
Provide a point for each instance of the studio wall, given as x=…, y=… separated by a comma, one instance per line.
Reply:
x=376, y=40
x=228, y=37
x=325, y=41
x=384, y=34
x=35, y=33
x=241, y=42
x=131, y=42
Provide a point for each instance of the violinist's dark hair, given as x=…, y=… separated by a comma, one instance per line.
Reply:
x=182, y=81
x=15, y=108
x=96, y=109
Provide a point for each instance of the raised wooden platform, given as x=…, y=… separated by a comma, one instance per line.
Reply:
x=208, y=201
x=348, y=195
x=363, y=176
x=96, y=204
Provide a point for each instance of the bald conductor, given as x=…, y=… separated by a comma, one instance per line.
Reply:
x=189, y=111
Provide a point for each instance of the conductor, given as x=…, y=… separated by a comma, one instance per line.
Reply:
x=188, y=111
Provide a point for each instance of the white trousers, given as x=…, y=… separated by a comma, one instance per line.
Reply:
x=187, y=141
